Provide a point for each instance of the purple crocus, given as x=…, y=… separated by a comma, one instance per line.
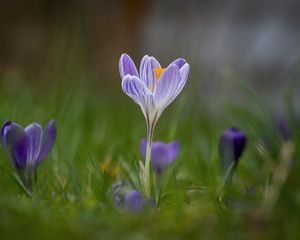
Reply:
x=134, y=201
x=126, y=198
x=153, y=88
x=163, y=154
x=27, y=147
x=231, y=147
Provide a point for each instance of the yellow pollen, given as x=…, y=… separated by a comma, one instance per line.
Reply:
x=158, y=72
x=151, y=87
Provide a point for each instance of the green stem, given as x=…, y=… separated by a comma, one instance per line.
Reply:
x=147, y=180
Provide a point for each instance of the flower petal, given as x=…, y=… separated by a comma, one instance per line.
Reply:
x=6, y=126
x=162, y=154
x=147, y=74
x=50, y=134
x=184, y=74
x=231, y=146
x=173, y=150
x=167, y=87
x=34, y=136
x=159, y=157
x=127, y=66
x=134, y=201
x=179, y=62
x=135, y=89
x=14, y=140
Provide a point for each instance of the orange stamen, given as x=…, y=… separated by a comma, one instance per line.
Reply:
x=158, y=72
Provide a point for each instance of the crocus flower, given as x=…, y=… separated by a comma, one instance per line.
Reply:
x=231, y=147
x=126, y=198
x=28, y=147
x=163, y=154
x=134, y=201
x=153, y=88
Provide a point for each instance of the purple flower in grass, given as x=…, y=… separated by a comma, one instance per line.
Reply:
x=126, y=198
x=153, y=88
x=163, y=154
x=231, y=147
x=27, y=147
x=134, y=201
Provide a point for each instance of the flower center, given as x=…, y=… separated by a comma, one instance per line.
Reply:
x=158, y=72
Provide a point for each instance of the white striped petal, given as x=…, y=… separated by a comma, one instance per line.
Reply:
x=184, y=73
x=137, y=90
x=147, y=75
x=179, y=62
x=166, y=87
x=127, y=66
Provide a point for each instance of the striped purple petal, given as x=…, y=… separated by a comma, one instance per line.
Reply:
x=127, y=66
x=147, y=74
x=167, y=87
x=184, y=74
x=14, y=140
x=34, y=138
x=135, y=89
x=179, y=62
x=50, y=134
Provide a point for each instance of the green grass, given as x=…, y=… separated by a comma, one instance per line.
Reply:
x=71, y=197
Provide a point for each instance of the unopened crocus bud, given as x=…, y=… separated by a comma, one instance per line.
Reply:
x=231, y=146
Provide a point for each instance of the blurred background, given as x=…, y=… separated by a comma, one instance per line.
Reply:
x=54, y=42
